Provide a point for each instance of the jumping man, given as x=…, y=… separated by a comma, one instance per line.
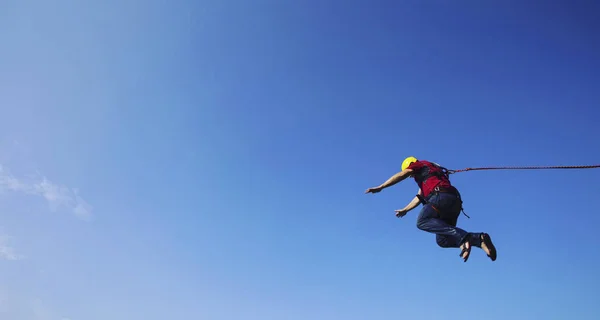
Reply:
x=442, y=205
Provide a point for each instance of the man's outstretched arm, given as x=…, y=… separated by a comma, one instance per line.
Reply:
x=391, y=181
x=413, y=204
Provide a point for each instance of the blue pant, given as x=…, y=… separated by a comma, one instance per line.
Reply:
x=443, y=223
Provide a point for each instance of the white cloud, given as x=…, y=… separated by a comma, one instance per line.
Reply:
x=41, y=311
x=7, y=252
x=56, y=195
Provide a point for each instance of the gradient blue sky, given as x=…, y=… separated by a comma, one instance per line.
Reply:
x=208, y=159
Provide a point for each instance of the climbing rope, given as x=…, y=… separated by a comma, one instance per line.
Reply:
x=525, y=168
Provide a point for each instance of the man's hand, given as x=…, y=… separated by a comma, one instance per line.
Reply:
x=401, y=212
x=374, y=189
x=413, y=204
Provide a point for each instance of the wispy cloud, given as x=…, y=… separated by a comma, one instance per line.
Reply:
x=41, y=311
x=56, y=195
x=7, y=252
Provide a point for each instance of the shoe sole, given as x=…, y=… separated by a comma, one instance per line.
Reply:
x=487, y=240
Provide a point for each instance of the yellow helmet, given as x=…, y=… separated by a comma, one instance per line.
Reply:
x=407, y=162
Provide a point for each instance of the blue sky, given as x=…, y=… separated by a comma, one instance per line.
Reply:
x=208, y=159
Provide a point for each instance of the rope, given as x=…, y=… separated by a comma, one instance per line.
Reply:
x=525, y=168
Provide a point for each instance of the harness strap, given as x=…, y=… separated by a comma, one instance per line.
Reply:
x=437, y=190
x=441, y=173
x=463, y=212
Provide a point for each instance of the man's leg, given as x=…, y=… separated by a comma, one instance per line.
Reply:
x=449, y=236
x=449, y=207
x=444, y=224
x=446, y=242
